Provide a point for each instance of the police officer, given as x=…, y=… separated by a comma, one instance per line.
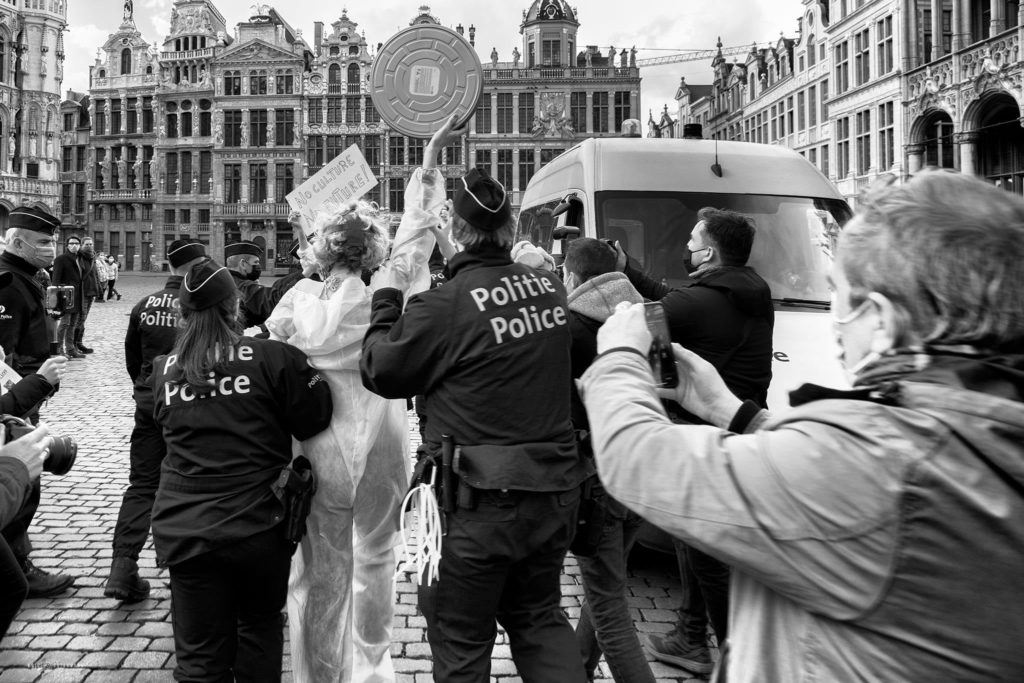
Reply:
x=25, y=329
x=228, y=407
x=152, y=329
x=243, y=260
x=490, y=350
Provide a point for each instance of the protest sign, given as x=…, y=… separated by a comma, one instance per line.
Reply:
x=343, y=179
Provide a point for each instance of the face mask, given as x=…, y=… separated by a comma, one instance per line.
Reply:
x=41, y=257
x=73, y=248
x=570, y=282
x=87, y=248
x=869, y=358
x=692, y=261
x=255, y=273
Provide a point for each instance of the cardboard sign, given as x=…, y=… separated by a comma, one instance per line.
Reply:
x=344, y=178
x=8, y=377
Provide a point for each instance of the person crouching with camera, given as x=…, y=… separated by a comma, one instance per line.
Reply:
x=228, y=407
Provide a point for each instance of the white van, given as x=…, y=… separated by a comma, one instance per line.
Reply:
x=645, y=193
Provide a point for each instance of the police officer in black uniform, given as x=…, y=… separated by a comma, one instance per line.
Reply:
x=152, y=330
x=490, y=350
x=243, y=260
x=25, y=333
x=228, y=407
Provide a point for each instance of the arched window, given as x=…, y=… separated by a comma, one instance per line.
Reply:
x=126, y=61
x=334, y=75
x=353, y=78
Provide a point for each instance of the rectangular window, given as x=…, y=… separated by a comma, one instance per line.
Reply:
x=258, y=128
x=334, y=109
x=232, y=83
x=284, y=181
x=623, y=107
x=843, y=147
x=67, y=158
x=483, y=159
x=396, y=194
x=204, y=217
x=315, y=153
x=205, y=172
x=505, y=168
x=801, y=108
x=285, y=84
x=453, y=154
x=147, y=175
x=600, y=118
x=504, y=112
x=100, y=119
x=132, y=116
x=79, y=197
x=169, y=218
x=789, y=115
x=884, y=32
x=146, y=214
x=353, y=109
x=186, y=173
x=232, y=183
x=551, y=55
x=416, y=151
x=147, y=114
x=205, y=121
x=97, y=212
x=842, y=54
x=335, y=145
x=65, y=198
x=886, y=142
x=115, y=213
x=862, y=57
x=824, y=100
x=824, y=160
x=284, y=127
x=372, y=115
x=371, y=152
x=546, y=155
x=483, y=114
x=316, y=111
x=258, y=84
x=527, y=167
x=812, y=106
x=578, y=111
x=171, y=175
x=396, y=151
x=186, y=124
x=526, y=111
x=115, y=116
x=775, y=124
x=232, y=127
x=257, y=182
x=185, y=216
x=863, y=142
x=172, y=125
x=69, y=121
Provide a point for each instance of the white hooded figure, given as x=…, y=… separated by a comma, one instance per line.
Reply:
x=341, y=602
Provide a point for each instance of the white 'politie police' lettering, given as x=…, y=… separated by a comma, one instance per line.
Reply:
x=159, y=318
x=527, y=319
x=228, y=385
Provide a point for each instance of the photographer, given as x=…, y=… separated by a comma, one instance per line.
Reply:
x=875, y=534
x=24, y=335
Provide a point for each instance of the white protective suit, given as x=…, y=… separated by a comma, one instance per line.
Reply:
x=340, y=601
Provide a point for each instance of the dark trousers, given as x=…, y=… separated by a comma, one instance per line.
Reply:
x=14, y=548
x=705, y=594
x=226, y=610
x=145, y=456
x=67, y=329
x=110, y=289
x=606, y=624
x=502, y=561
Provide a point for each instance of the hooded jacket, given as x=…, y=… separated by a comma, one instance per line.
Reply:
x=871, y=540
x=725, y=315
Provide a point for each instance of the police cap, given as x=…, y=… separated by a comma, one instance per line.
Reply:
x=31, y=218
x=480, y=200
x=182, y=251
x=242, y=249
x=206, y=284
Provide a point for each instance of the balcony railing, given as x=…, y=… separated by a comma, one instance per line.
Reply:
x=120, y=195
x=187, y=54
x=251, y=209
x=30, y=186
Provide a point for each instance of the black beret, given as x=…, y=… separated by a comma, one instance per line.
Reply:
x=480, y=200
x=206, y=284
x=182, y=251
x=31, y=218
x=242, y=249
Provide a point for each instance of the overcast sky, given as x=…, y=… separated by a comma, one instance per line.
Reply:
x=653, y=28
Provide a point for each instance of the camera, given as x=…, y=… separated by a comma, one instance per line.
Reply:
x=60, y=298
x=663, y=361
x=63, y=449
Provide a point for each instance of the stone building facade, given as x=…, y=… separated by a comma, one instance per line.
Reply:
x=31, y=71
x=74, y=158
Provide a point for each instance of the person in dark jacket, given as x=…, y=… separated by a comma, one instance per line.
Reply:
x=228, y=407
x=490, y=351
x=152, y=330
x=70, y=270
x=243, y=261
x=726, y=316
x=25, y=332
x=605, y=625
x=92, y=289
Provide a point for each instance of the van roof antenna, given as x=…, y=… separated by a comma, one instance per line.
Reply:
x=716, y=168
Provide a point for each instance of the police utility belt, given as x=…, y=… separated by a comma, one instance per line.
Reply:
x=295, y=487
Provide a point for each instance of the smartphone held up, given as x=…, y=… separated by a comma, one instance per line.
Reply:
x=663, y=362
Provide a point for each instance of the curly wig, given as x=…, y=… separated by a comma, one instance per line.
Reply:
x=336, y=229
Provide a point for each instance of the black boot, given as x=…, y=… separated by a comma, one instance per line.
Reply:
x=44, y=584
x=82, y=348
x=124, y=582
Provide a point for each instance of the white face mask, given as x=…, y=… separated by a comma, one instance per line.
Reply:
x=570, y=282
x=852, y=372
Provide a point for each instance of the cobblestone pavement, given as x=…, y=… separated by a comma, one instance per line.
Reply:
x=83, y=636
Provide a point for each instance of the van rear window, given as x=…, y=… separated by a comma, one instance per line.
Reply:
x=792, y=247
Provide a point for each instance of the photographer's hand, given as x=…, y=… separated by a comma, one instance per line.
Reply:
x=701, y=390
x=627, y=327
x=53, y=369
x=30, y=449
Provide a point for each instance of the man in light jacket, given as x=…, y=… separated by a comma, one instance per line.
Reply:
x=878, y=533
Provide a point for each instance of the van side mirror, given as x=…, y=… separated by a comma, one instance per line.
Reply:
x=560, y=209
x=566, y=232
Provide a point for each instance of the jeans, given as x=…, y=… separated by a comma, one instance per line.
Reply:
x=145, y=457
x=605, y=623
x=705, y=594
x=226, y=611
x=502, y=560
x=67, y=329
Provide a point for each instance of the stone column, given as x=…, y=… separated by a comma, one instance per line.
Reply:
x=909, y=12
x=998, y=9
x=611, y=112
x=958, y=28
x=915, y=158
x=937, y=6
x=494, y=112
x=515, y=112
x=968, y=143
x=588, y=117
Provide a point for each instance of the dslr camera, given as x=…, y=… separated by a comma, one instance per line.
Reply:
x=63, y=449
x=60, y=298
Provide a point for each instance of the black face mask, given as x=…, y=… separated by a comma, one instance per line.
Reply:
x=255, y=273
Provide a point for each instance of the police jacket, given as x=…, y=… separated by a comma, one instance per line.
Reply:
x=152, y=329
x=259, y=301
x=24, y=323
x=226, y=448
x=74, y=270
x=725, y=315
x=490, y=351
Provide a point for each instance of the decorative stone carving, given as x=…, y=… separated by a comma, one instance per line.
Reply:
x=551, y=120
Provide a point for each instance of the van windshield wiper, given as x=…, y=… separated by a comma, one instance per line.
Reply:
x=809, y=303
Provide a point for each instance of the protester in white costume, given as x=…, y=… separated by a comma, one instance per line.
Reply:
x=340, y=602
